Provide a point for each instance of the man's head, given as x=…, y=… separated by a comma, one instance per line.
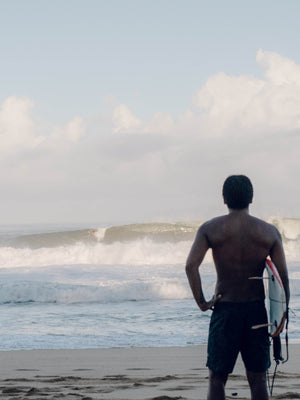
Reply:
x=237, y=192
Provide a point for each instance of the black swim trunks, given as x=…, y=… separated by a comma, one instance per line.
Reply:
x=230, y=333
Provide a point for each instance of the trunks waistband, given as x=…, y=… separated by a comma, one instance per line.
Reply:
x=237, y=305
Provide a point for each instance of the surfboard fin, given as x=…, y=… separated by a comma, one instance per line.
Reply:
x=258, y=277
x=262, y=326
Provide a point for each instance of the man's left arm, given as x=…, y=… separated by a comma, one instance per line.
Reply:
x=278, y=258
x=194, y=260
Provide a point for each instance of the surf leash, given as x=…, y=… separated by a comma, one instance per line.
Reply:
x=277, y=353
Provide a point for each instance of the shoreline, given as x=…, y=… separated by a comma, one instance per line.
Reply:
x=160, y=373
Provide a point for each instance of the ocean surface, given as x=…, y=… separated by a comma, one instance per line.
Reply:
x=118, y=286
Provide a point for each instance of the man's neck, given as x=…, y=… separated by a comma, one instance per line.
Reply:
x=238, y=212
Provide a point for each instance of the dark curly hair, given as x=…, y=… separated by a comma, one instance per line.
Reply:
x=237, y=192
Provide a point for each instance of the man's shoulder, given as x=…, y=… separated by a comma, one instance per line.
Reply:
x=264, y=225
x=213, y=223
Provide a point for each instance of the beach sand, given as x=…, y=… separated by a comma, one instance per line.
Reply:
x=137, y=373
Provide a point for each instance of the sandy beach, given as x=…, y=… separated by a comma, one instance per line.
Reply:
x=137, y=373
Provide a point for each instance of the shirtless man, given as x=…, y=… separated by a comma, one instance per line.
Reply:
x=240, y=244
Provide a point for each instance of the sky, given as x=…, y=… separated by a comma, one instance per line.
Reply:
x=126, y=111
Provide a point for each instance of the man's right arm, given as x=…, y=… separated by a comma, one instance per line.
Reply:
x=195, y=258
x=278, y=257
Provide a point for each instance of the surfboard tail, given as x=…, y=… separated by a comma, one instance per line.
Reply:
x=279, y=327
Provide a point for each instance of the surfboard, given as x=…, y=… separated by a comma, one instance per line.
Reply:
x=276, y=300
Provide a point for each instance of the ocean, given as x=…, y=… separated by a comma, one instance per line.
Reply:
x=85, y=286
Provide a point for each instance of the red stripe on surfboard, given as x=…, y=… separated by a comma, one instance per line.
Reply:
x=274, y=272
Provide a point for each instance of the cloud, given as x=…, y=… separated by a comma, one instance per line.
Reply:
x=242, y=105
x=61, y=137
x=20, y=132
x=118, y=164
x=124, y=121
x=230, y=106
x=17, y=130
x=278, y=70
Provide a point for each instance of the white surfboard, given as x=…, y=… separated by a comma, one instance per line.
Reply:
x=276, y=300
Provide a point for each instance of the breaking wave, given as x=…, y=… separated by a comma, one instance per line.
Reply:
x=136, y=244
x=156, y=232
x=139, y=252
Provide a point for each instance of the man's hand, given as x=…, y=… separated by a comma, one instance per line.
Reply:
x=208, y=305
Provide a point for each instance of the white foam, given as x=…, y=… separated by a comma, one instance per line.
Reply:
x=288, y=227
x=106, y=291
x=91, y=283
x=23, y=292
x=141, y=252
x=99, y=233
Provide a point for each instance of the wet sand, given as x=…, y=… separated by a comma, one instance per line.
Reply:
x=128, y=374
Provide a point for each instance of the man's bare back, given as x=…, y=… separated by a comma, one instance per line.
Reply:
x=240, y=245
